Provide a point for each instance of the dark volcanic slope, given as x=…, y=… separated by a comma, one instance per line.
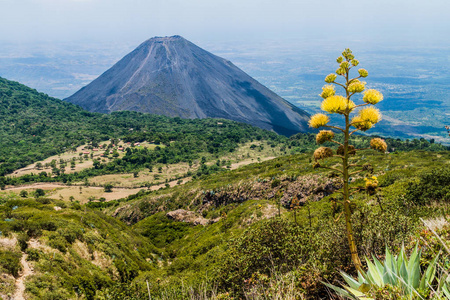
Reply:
x=173, y=77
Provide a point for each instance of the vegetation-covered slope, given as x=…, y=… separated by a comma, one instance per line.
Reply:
x=247, y=248
x=34, y=126
x=72, y=250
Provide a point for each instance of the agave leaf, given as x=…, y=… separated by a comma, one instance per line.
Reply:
x=414, y=268
x=403, y=274
x=378, y=265
x=428, y=276
x=362, y=277
x=364, y=288
x=373, y=276
x=359, y=295
x=340, y=292
x=401, y=259
x=431, y=270
x=350, y=281
x=390, y=269
x=446, y=291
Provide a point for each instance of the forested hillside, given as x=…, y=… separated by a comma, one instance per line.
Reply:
x=34, y=126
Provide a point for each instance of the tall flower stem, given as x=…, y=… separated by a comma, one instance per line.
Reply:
x=366, y=118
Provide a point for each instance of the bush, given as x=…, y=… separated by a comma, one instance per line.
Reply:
x=22, y=239
x=33, y=254
x=10, y=262
x=431, y=186
x=58, y=242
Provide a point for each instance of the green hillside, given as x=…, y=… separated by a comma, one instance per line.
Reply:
x=253, y=238
x=34, y=126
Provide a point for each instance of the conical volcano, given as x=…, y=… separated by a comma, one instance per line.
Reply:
x=171, y=76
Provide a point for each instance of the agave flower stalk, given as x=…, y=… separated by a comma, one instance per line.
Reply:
x=364, y=120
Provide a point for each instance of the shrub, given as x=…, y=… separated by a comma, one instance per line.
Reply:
x=58, y=242
x=33, y=254
x=22, y=239
x=431, y=186
x=10, y=262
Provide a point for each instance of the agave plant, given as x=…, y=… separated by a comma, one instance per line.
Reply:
x=397, y=272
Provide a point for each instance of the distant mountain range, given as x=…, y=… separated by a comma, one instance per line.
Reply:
x=173, y=77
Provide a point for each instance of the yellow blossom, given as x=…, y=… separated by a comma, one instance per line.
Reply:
x=318, y=120
x=322, y=153
x=356, y=86
x=370, y=114
x=327, y=91
x=360, y=124
x=372, y=96
x=348, y=54
x=337, y=104
x=378, y=144
x=330, y=78
x=371, y=185
x=363, y=72
x=344, y=65
x=324, y=136
x=340, y=71
x=339, y=59
x=355, y=62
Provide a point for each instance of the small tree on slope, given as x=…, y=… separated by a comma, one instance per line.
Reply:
x=366, y=116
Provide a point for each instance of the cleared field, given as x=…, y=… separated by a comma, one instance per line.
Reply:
x=83, y=158
x=129, y=184
x=83, y=194
x=246, y=154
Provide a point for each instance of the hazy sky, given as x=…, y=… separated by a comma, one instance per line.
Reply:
x=202, y=20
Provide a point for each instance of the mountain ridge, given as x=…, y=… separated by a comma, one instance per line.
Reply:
x=173, y=77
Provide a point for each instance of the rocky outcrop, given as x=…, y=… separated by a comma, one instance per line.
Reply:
x=182, y=215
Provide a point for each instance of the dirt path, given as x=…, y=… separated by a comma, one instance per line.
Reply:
x=20, y=281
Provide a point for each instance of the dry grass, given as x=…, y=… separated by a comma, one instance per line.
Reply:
x=79, y=166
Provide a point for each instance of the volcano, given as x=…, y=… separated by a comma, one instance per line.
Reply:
x=173, y=77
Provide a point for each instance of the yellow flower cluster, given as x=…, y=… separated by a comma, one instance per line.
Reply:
x=324, y=136
x=348, y=54
x=372, y=96
x=344, y=65
x=363, y=72
x=327, y=91
x=360, y=124
x=339, y=59
x=378, y=144
x=330, y=78
x=340, y=71
x=356, y=86
x=355, y=62
x=318, y=120
x=337, y=104
x=351, y=150
x=371, y=185
x=322, y=153
x=370, y=114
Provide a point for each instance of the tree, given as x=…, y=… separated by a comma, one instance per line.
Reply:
x=39, y=193
x=367, y=116
x=108, y=187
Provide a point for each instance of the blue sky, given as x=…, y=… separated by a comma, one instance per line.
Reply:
x=208, y=20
